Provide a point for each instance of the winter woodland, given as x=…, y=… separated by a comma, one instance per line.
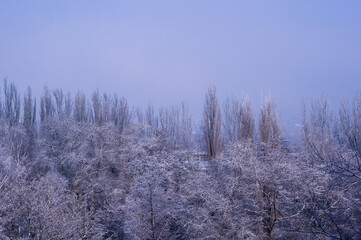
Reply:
x=93, y=167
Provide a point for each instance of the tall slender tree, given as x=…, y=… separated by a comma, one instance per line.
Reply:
x=29, y=113
x=269, y=127
x=80, y=113
x=12, y=103
x=212, y=123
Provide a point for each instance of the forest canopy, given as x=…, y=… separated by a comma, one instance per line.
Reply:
x=94, y=167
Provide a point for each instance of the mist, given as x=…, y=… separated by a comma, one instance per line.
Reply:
x=180, y=120
x=162, y=53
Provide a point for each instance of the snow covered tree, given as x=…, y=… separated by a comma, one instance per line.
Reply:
x=212, y=123
x=29, y=112
x=11, y=103
x=317, y=130
x=80, y=113
x=238, y=121
x=269, y=126
x=46, y=105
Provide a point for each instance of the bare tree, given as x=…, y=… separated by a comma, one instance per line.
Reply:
x=106, y=107
x=59, y=102
x=120, y=113
x=269, y=127
x=317, y=129
x=175, y=125
x=246, y=120
x=212, y=123
x=151, y=121
x=125, y=115
x=46, y=105
x=238, y=121
x=186, y=126
x=97, y=107
x=150, y=117
x=164, y=122
x=68, y=105
x=12, y=103
x=334, y=213
x=140, y=116
x=169, y=120
x=350, y=124
x=147, y=209
x=80, y=113
x=29, y=113
x=231, y=119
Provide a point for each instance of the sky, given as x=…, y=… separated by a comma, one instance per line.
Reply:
x=165, y=52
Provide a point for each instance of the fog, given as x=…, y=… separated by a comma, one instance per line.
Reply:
x=93, y=165
x=163, y=52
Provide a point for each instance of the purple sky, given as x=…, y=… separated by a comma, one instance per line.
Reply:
x=162, y=52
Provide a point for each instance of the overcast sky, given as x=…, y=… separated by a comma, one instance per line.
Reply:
x=163, y=52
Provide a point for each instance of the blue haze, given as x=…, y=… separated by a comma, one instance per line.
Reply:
x=163, y=52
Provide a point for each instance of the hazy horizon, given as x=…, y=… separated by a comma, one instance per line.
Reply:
x=162, y=53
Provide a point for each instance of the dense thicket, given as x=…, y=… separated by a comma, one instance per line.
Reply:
x=94, y=168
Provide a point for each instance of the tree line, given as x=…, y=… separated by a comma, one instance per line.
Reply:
x=96, y=168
